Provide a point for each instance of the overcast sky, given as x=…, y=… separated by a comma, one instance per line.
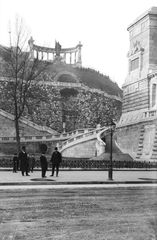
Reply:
x=100, y=25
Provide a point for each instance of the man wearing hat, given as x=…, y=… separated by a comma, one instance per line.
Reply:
x=23, y=161
x=56, y=160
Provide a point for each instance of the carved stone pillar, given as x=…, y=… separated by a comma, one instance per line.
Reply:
x=70, y=58
x=79, y=61
x=65, y=57
x=75, y=57
x=37, y=55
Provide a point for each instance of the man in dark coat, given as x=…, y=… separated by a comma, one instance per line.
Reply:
x=56, y=159
x=43, y=162
x=15, y=163
x=23, y=161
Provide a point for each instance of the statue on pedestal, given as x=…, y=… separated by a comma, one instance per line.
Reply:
x=57, y=48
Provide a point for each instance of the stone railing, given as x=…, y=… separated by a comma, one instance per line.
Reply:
x=27, y=122
x=60, y=84
x=79, y=138
x=150, y=113
x=47, y=138
x=145, y=116
x=52, y=83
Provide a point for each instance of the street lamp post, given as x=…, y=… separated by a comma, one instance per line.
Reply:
x=110, y=171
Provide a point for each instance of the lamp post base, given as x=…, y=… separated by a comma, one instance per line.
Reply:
x=110, y=174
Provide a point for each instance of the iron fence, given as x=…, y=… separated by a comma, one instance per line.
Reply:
x=90, y=164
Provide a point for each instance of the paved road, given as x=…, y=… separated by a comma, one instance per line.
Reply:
x=76, y=214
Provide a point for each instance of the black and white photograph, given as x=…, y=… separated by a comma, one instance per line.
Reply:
x=78, y=120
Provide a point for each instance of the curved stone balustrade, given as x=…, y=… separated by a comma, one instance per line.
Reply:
x=48, y=138
x=64, y=84
x=100, y=144
x=61, y=84
x=52, y=54
x=27, y=122
x=80, y=138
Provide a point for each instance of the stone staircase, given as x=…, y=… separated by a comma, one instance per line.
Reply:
x=82, y=145
x=140, y=145
x=154, y=149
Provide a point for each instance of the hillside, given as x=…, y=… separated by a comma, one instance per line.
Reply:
x=89, y=77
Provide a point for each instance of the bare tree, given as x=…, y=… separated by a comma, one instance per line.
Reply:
x=22, y=74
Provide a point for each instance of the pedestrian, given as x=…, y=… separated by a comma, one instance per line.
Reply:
x=32, y=162
x=56, y=159
x=23, y=161
x=43, y=162
x=15, y=163
x=28, y=160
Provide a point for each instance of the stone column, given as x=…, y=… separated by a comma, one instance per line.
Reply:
x=70, y=57
x=79, y=54
x=37, y=54
x=75, y=56
x=47, y=56
x=65, y=57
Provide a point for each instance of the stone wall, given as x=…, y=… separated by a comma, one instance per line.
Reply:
x=7, y=128
x=81, y=150
x=128, y=139
x=31, y=147
x=139, y=140
x=137, y=99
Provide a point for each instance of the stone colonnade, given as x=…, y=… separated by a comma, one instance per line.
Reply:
x=49, y=54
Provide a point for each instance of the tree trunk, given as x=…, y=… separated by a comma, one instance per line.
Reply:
x=17, y=135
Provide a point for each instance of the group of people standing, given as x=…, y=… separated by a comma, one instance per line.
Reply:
x=24, y=161
x=27, y=163
x=56, y=159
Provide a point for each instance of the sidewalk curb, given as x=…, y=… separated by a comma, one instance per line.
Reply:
x=75, y=183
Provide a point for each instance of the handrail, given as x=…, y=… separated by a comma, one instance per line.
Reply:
x=144, y=116
x=78, y=137
x=46, y=137
x=27, y=122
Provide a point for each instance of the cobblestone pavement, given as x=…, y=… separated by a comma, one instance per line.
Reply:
x=74, y=214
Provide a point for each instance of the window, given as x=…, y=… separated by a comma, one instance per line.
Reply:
x=134, y=64
x=153, y=95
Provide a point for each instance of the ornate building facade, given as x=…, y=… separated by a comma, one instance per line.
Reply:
x=140, y=87
x=137, y=128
